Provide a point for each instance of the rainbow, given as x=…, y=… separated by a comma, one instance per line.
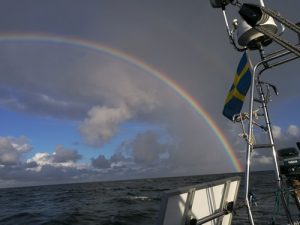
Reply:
x=94, y=46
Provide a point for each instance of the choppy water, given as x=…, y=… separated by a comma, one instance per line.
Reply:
x=117, y=203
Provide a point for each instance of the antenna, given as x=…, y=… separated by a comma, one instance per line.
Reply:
x=258, y=16
x=251, y=38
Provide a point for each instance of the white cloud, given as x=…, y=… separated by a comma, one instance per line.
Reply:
x=102, y=123
x=283, y=138
x=276, y=131
x=265, y=160
x=59, y=158
x=21, y=144
x=287, y=138
x=293, y=130
x=262, y=157
x=41, y=159
x=12, y=148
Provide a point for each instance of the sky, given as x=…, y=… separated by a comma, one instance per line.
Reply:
x=109, y=90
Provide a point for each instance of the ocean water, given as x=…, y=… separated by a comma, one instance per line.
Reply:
x=135, y=202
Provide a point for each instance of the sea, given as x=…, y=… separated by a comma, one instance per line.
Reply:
x=132, y=202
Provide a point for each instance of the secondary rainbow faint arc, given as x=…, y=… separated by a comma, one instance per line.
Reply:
x=91, y=45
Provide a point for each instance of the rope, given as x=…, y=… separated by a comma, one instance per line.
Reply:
x=240, y=118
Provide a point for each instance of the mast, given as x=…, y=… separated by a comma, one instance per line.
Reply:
x=255, y=32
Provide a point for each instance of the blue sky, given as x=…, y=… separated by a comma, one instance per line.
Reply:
x=46, y=133
x=93, y=116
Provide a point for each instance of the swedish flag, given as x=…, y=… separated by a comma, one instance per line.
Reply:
x=238, y=91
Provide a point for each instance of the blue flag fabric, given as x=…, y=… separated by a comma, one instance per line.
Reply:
x=238, y=91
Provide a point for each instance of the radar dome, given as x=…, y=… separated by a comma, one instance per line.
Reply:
x=252, y=39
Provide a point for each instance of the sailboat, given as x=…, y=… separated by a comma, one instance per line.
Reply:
x=214, y=203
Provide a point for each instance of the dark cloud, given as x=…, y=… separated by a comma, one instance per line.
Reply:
x=27, y=174
x=117, y=157
x=31, y=164
x=146, y=148
x=158, y=156
x=65, y=155
x=100, y=162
